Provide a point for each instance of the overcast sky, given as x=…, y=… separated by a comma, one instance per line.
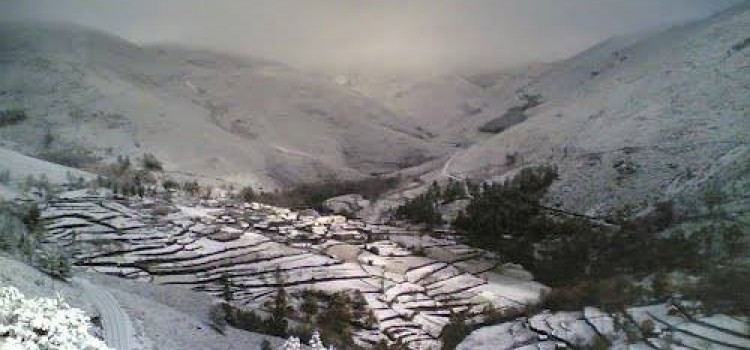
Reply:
x=447, y=34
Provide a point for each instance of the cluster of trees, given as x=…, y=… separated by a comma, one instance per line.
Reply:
x=507, y=217
x=424, y=208
x=313, y=195
x=589, y=262
x=333, y=315
x=21, y=231
x=122, y=177
x=277, y=324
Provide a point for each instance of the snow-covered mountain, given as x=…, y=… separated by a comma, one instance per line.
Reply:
x=635, y=119
x=210, y=114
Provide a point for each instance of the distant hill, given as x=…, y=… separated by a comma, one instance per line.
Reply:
x=213, y=115
x=635, y=120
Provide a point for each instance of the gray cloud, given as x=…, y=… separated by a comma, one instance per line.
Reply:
x=443, y=34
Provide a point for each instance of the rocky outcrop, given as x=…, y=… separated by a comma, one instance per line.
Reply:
x=349, y=204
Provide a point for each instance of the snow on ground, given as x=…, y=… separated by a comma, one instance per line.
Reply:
x=411, y=296
x=164, y=317
x=581, y=330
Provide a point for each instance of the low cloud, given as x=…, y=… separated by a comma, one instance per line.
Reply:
x=362, y=34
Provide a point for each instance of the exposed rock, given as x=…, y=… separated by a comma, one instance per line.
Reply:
x=311, y=213
x=349, y=204
x=450, y=210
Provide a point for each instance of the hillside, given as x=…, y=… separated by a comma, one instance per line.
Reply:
x=159, y=317
x=208, y=114
x=635, y=120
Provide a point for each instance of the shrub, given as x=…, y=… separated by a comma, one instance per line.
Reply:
x=335, y=322
x=191, y=187
x=12, y=116
x=161, y=210
x=244, y=319
x=218, y=316
x=247, y=194
x=611, y=294
x=647, y=327
x=455, y=331
x=170, y=184
x=5, y=176
x=151, y=163
x=56, y=264
x=12, y=228
x=309, y=304
x=72, y=156
x=723, y=290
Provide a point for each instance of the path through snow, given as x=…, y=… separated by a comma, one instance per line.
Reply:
x=118, y=332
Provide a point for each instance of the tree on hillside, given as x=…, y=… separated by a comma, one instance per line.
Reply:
x=277, y=324
x=226, y=284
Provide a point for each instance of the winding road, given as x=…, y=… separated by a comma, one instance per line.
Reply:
x=118, y=332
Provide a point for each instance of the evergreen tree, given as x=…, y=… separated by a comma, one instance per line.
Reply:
x=226, y=283
x=277, y=324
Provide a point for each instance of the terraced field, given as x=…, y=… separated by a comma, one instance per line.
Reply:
x=411, y=281
x=661, y=326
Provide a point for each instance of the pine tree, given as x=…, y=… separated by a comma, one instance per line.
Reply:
x=277, y=324
x=227, y=292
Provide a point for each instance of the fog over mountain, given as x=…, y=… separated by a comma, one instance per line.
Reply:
x=339, y=34
x=381, y=174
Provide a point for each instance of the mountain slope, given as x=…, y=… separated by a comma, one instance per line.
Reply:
x=636, y=119
x=200, y=112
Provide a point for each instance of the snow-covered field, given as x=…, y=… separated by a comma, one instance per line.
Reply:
x=593, y=327
x=411, y=282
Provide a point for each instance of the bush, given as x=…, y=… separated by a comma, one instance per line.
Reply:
x=5, y=176
x=71, y=156
x=151, y=163
x=191, y=187
x=218, y=316
x=12, y=116
x=335, y=322
x=612, y=294
x=647, y=327
x=56, y=264
x=247, y=194
x=723, y=290
x=455, y=331
x=169, y=184
x=244, y=319
x=12, y=228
